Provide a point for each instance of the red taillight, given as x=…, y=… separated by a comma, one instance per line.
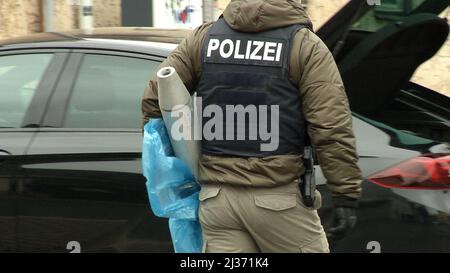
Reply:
x=427, y=172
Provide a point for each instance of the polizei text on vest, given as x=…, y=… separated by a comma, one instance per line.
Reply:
x=245, y=50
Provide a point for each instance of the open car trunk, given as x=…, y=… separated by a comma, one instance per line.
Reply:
x=377, y=67
x=419, y=110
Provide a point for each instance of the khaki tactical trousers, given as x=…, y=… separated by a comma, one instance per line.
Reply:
x=251, y=220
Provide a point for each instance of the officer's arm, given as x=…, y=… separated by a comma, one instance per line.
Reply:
x=186, y=61
x=327, y=111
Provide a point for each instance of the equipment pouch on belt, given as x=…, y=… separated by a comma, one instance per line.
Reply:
x=308, y=184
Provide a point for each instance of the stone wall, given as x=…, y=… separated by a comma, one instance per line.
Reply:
x=320, y=11
x=65, y=15
x=21, y=17
x=108, y=13
x=18, y=17
x=435, y=73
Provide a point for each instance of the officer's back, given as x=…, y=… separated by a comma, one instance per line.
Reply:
x=262, y=56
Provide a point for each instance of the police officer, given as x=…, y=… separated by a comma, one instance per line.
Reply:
x=264, y=53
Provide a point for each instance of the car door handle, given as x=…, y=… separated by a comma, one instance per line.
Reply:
x=3, y=155
x=4, y=152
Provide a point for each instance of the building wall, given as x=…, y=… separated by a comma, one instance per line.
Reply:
x=434, y=74
x=21, y=17
x=18, y=17
x=320, y=11
x=108, y=13
x=65, y=15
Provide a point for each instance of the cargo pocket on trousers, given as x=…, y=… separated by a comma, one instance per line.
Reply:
x=276, y=202
x=319, y=245
x=208, y=192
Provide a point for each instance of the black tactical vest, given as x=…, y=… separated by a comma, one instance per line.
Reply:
x=249, y=73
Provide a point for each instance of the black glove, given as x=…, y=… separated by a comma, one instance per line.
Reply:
x=344, y=219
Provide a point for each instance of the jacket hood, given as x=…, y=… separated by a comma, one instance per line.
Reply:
x=261, y=15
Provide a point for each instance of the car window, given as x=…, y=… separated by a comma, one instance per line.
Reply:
x=20, y=76
x=108, y=92
x=387, y=12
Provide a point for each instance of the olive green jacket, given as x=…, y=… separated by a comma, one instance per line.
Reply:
x=325, y=104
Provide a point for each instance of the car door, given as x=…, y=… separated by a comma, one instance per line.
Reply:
x=85, y=184
x=26, y=79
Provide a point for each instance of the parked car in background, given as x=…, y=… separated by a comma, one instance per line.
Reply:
x=71, y=137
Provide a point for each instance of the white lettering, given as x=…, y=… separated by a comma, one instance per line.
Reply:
x=228, y=54
x=269, y=49
x=213, y=45
x=237, y=55
x=280, y=48
x=254, y=50
x=249, y=49
x=254, y=56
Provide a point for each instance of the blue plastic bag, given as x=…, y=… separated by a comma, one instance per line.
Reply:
x=172, y=189
x=186, y=235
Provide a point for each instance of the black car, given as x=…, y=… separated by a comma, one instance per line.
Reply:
x=71, y=137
